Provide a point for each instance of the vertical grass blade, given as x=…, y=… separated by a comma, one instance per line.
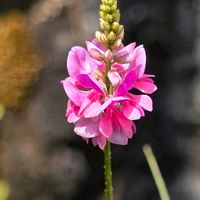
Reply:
x=153, y=165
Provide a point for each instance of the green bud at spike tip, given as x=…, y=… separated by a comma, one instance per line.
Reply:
x=113, y=32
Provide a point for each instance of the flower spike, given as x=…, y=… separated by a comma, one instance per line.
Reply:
x=100, y=83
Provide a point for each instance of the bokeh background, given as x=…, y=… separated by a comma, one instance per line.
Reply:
x=40, y=156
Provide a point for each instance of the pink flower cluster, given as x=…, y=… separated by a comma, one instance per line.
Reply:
x=100, y=103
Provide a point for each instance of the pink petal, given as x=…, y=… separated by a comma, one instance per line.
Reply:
x=94, y=141
x=134, y=128
x=87, y=127
x=72, y=112
x=91, y=106
x=127, y=83
x=108, y=55
x=119, y=99
x=94, y=51
x=125, y=123
x=118, y=138
x=143, y=101
x=114, y=77
x=144, y=85
x=148, y=76
x=114, y=99
x=119, y=67
x=74, y=94
x=105, y=125
x=79, y=62
x=139, y=63
x=99, y=45
x=101, y=141
x=92, y=110
x=132, y=112
x=90, y=83
x=85, y=103
x=126, y=54
x=72, y=117
x=86, y=140
x=107, y=102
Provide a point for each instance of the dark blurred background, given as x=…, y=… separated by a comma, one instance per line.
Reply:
x=40, y=156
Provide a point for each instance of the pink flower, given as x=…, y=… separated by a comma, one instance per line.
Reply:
x=101, y=112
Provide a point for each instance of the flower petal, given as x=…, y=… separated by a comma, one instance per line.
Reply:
x=132, y=111
x=114, y=100
x=105, y=125
x=99, y=45
x=90, y=83
x=127, y=83
x=125, y=124
x=118, y=138
x=114, y=77
x=74, y=94
x=143, y=101
x=87, y=127
x=101, y=141
x=92, y=110
x=72, y=112
x=79, y=62
x=139, y=63
x=120, y=67
x=126, y=54
x=94, y=51
x=146, y=85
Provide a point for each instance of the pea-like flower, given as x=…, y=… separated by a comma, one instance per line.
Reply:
x=101, y=103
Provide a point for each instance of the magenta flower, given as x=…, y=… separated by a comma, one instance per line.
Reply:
x=100, y=102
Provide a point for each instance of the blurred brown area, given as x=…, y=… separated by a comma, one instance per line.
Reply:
x=19, y=59
x=40, y=156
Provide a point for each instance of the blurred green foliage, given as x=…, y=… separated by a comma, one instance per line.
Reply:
x=4, y=190
x=2, y=111
x=156, y=173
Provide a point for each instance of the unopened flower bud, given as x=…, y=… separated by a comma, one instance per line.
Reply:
x=117, y=44
x=120, y=29
x=109, y=18
x=115, y=26
x=104, y=1
x=98, y=35
x=105, y=8
x=96, y=54
x=104, y=25
x=116, y=16
x=110, y=2
x=108, y=55
x=121, y=35
x=113, y=7
x=112, y=36
x=104, y=38
x=101, y=37
x=102, y=14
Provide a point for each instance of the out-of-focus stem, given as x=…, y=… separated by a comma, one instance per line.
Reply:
x=153, y=165
x=108, y=173
x=2, y=111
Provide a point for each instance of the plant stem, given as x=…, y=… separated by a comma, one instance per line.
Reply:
x=108, y=173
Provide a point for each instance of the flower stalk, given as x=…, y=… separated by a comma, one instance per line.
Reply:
x=100, y=79
x=108, y=173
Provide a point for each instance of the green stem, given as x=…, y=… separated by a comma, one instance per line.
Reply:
x=108, y=173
